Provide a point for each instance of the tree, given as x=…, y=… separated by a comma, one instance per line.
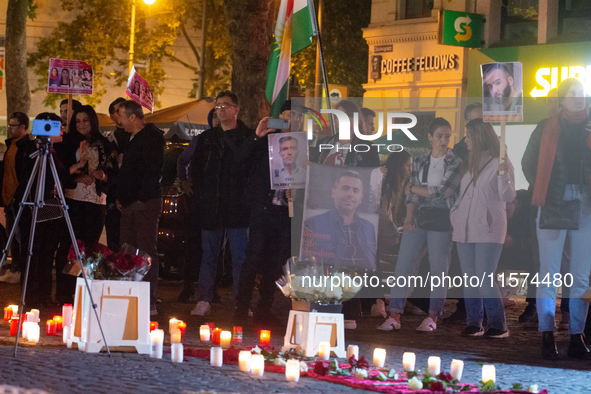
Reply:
x=18, y=97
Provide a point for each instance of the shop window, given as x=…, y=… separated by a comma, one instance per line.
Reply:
x=418, y=9
x=574, y=19
x=519, y=22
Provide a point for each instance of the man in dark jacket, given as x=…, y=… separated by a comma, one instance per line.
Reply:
x=219, y=172
x=138, y=188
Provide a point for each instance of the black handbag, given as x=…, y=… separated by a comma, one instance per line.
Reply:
x=566, y=215
x=432, y=218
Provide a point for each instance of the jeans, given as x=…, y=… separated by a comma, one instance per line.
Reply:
x=551, y=244
x=481, y=259
x=212, y=241
x=411, y=246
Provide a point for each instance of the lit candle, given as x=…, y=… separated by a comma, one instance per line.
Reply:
x=182, y=326
x=204, y=333
x=31, y=317
x=379, y=358
x=67, y=315
x=225, y=339
x=156, y=343
x=292, y=370
x=13, y=326
x=216, y=356
x=456, y=369
x=257, y=366
x=23, y=320
x=153, y=325
x=59, y=321
x=265, y=337
x=324, y=350
x=215, y=336
x=51, y=328
x=7, y=313
x=176, y=352
x=172, y=325
x=25, y=329
x=353, y=350
x=434, y=365
x=211, y=327
x=14, y=309
x=35, y=313
x=488, y=373
x=237, y=334
x=67, y=330
x=408, y=362
x=244, y=359
x=33, y=333
x=175, y=336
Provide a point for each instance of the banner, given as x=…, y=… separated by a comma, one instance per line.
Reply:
x=139, y=90
x=502, y=92
x=69, y=77
x=287, y=153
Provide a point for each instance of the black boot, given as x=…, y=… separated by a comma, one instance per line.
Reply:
x=549, y=351
x=577, y=348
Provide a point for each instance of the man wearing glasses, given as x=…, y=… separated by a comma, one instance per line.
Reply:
x=17, y=166
x=219, y=172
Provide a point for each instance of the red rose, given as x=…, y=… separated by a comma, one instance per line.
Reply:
x=362, y=363
x=320, y=368
x=445, y=376
x=436, y=386
x=352, y=360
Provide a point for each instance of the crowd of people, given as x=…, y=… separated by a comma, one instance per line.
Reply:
x=459, y=207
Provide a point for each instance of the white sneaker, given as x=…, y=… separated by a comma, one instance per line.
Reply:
x=389, y=325
x=427, y=325
x=350, y=324
x=201, y=309
x=379, y=309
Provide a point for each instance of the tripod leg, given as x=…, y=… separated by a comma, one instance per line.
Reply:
x=75, y=245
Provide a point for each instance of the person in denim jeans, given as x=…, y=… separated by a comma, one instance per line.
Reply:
x=479, y=221
x=433, y=184
x=557, y=162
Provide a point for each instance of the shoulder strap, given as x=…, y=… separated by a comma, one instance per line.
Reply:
x=474, y=177
x=426, y=169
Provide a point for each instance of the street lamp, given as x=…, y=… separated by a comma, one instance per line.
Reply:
x=132, y=35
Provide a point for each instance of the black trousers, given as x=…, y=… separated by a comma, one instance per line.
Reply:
x=269, y=244
x=194, y=248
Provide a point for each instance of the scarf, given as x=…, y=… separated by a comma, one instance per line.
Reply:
x=547, y=155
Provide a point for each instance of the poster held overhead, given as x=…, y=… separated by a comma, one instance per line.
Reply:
x=502, y=92
x=138, y=89
x=287, y=154
x=69, y=77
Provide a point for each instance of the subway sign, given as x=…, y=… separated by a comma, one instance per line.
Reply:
x=548, y=78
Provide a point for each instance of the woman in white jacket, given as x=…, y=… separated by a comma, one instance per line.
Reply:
x=479, y=222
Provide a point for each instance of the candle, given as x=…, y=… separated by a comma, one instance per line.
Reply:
x=215, y=336
x=182, y=326
x=156, y=343
x=175, y=336
x=31, y=317
x=257, y=366
x=353, y=350
x=33, y=332
x=67, y=315
x=13, y=326
x=216, y=356
x=176, y=352
x=237, y=334
x=35, y=313
x=59, y=321
x=456, y=369
x=172, y=325
x=25, y=329
x=14, y=309
x=153, y=325
x=292, y=370
x=7, y=313
x=66, y=335
x=434, y=365
x=211, y=327
x=51, y=328
x=204, y=333
x=23, y=320
x=488, y=373
x=324, y=350
x=225, y=339
x=408, y=362
x=244, y=359
x=379, y=358
x=265, y=337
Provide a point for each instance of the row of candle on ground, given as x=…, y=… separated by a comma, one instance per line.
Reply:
x=219, y=337
x=11, y=313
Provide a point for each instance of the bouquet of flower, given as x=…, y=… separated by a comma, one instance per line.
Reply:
x=101, y=263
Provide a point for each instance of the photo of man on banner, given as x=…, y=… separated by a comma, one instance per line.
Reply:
x=502, y=91
x=287, y=153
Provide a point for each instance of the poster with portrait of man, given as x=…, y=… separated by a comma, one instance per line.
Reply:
x=287, y=154
x=341, y=213
x=502, y=92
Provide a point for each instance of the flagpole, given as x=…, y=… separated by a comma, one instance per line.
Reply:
x=321, y=57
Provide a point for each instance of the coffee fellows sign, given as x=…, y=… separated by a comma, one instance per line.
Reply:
x=421, y=63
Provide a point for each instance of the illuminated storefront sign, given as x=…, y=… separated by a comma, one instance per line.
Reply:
x=423, y=63
x=547, y=78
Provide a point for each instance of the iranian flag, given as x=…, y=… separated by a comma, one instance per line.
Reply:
x=293, y=32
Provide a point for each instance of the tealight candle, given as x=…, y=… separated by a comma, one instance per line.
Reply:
x=237, y=334
x=456, y=369
x=67, y=315
x=292, y=370
x=488, y=373
x=59, y=321
x=324, y=350
x=265, y=337
x=408, y=362
x=257, y=366
x=13, y=326
x=225, y=339
x=35, y=313
x=33, y=332
x=67, y=330
x=215, y=336
x=7, y=313
x=379, y=358
x=216, y=356
x=204, y=333
x=244, y=359
x=182, y=326
x=156, y=343
x=51, y=328
x=176, y=352
x=153, y=325
x=353, y=350
x=434, y=365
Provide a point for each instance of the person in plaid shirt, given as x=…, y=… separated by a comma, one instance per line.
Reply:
x=433, y=189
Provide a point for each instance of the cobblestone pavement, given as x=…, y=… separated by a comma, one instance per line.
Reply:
x=50, y=366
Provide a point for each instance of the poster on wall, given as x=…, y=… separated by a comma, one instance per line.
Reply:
x=138, y=89
x=502, y=92
x=287, y=154
x=69, y=77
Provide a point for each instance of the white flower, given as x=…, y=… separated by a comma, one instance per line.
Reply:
x=256, y=349
x=279, y=361
x=303, y=366
x=533, y=388
x=415, y=384
x=360, y=373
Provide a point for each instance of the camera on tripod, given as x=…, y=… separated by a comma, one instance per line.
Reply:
x=46, y=128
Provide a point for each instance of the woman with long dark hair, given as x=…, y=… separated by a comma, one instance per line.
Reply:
x=557, y=162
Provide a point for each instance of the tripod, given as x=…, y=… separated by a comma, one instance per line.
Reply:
x=43, y=155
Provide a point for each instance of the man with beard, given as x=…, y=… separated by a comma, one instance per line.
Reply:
x=499, y=83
